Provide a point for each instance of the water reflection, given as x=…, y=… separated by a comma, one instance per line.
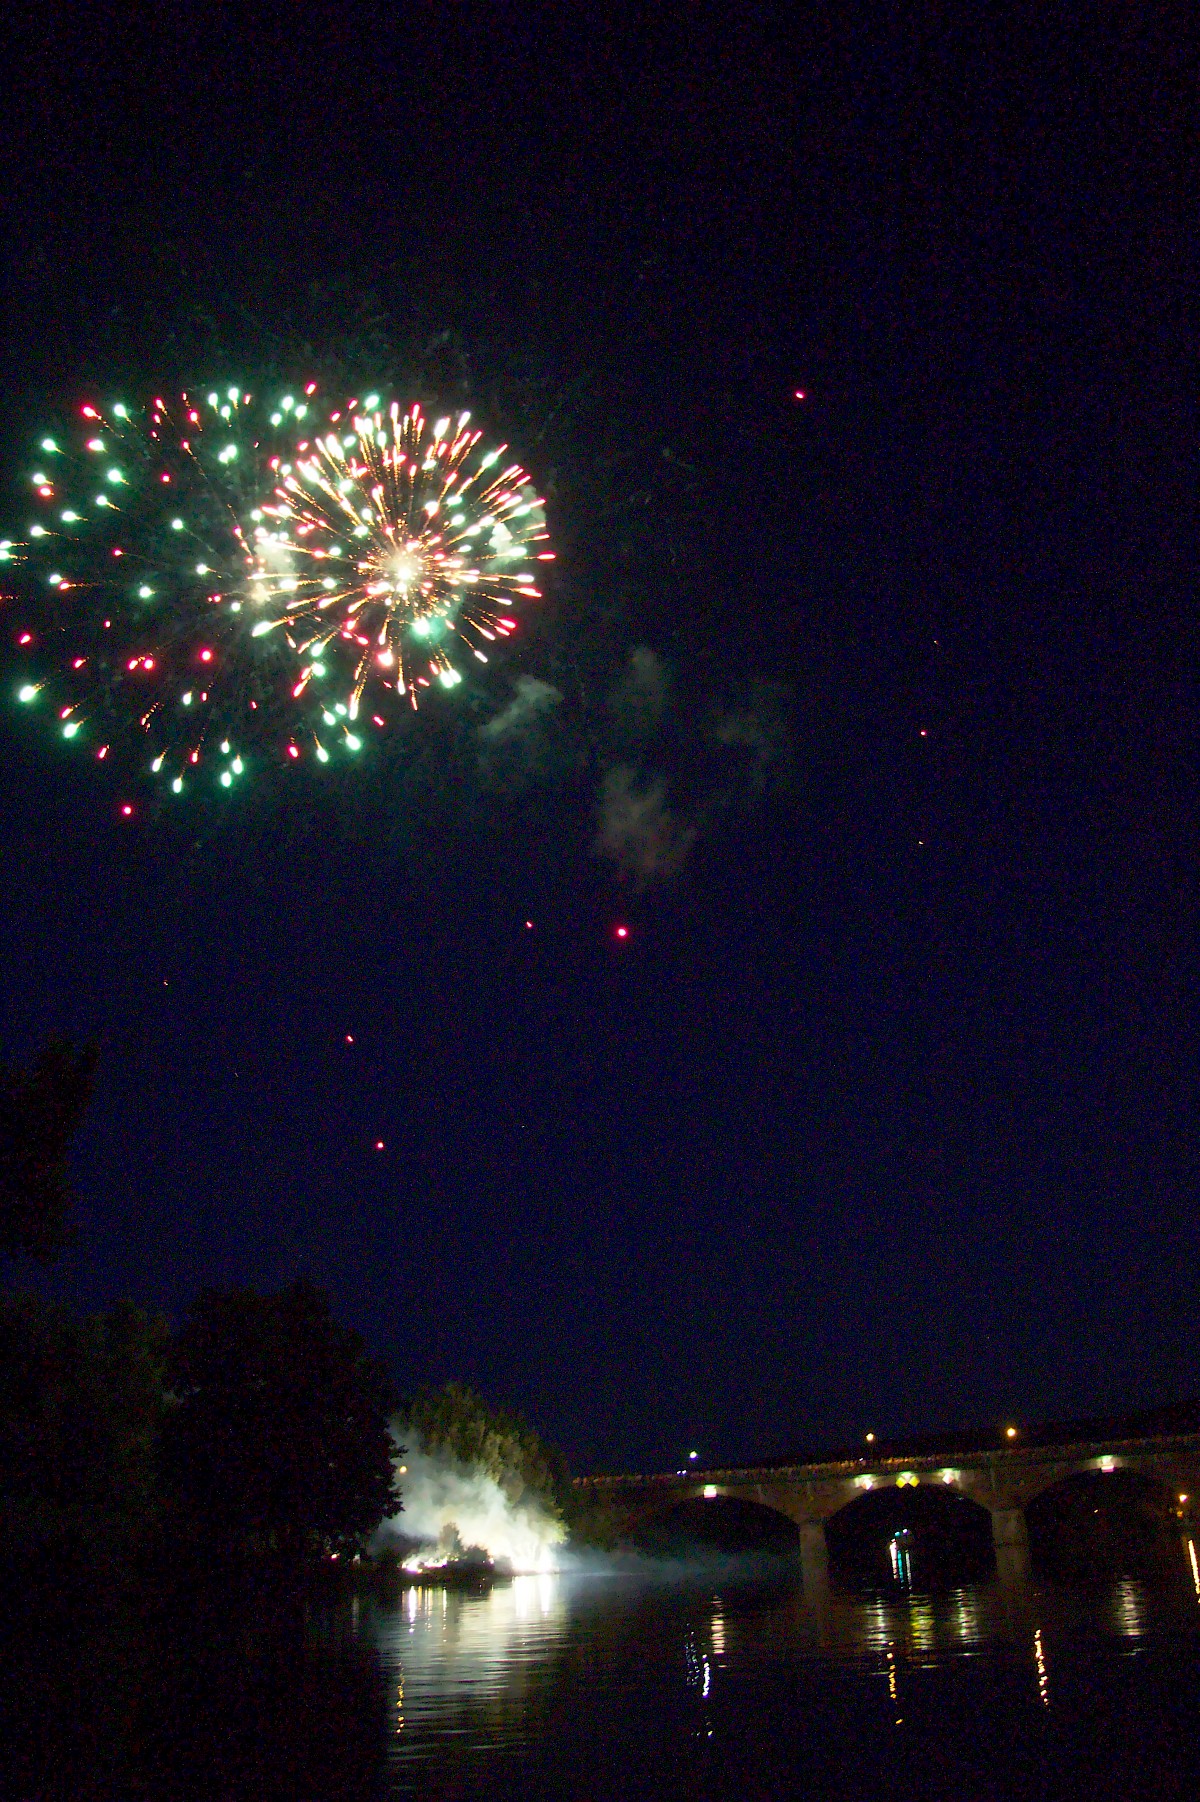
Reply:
x=1043, y=1675
x=628, y=1671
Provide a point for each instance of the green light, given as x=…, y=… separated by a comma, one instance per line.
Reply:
x=421, y=628
x=318, y=669
x=300, y=412
x=114, y=475
x=228, y=454
x=263, y=626
x=177, y=786
x=70, y=729
x=449, y=678
x=121, y=411
x=287, y=403
x=226, y=779
x=238, y=766
x=234, y=396
x=27, y=694
x=202, y=569
x=177, y=525
x=145, y=592
x=329, y=718
x=213, y=399
x=371, y=402
x=70, y=518
x=355, y=744
x=158, y=762
x=48, y=444
x=277, y=419
x=37, y=531
x=187, y=699
x=322, y=754
x=225, y=412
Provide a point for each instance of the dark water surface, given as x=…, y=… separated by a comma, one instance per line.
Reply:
x=719, y=1686
x=718, y=1682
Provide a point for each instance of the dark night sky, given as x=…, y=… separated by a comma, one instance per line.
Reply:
x=885, y=1114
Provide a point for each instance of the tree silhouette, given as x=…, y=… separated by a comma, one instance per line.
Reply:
x=277, y=1439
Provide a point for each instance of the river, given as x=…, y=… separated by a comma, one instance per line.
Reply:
x=721, y=1684
x=717, y=1681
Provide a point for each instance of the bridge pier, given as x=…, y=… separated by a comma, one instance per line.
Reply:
x=1010, y=1539
x=814, y=1560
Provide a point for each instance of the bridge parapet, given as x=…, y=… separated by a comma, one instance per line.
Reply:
x=1002, y=1479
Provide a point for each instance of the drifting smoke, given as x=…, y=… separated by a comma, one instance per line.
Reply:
x=517, y=746
x=453, y=1509
x=639, y=700
x=638, y=830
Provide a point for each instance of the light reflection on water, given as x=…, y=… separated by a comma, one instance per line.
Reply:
x=508, y=1673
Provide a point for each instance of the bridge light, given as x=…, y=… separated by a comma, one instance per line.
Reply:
x=1183, y=1498
x=870, y=1438
x=692, y=1456
x=710, y=1490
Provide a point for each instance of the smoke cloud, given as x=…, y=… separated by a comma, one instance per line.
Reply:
x=639, y=700
x=516, y=746
x=451, y=1507
x=639, y=831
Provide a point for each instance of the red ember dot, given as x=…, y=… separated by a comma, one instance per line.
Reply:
x=25, y=638
x=311, y=389
x=118, y=553
x=622, y=932
x=127, y=810
x=90, y=413
x=529, y=925
x=206, y=656
x=349, y=1038
x=801, y=394
x=292, y=751
x=166, y=478
x=379, y=1144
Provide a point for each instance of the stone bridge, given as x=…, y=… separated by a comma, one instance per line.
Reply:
x=1004, y=1480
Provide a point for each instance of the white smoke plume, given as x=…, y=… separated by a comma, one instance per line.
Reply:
x=451, y=1508
x=516, y=746
x=638, y=829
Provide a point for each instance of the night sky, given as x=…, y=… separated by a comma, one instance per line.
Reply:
x=884, y=1113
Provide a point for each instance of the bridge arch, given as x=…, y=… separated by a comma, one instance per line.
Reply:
x=1105, y=1522
x=722, y=1523
x=918, y=1534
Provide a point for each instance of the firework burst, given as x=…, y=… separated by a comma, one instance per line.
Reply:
x=134, y=604
x=391, y=553
x=221, y=580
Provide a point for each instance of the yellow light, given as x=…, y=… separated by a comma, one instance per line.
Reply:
x=1010, y=1432
x=870, y=1438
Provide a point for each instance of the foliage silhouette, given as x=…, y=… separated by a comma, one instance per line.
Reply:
x=276, y=1438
